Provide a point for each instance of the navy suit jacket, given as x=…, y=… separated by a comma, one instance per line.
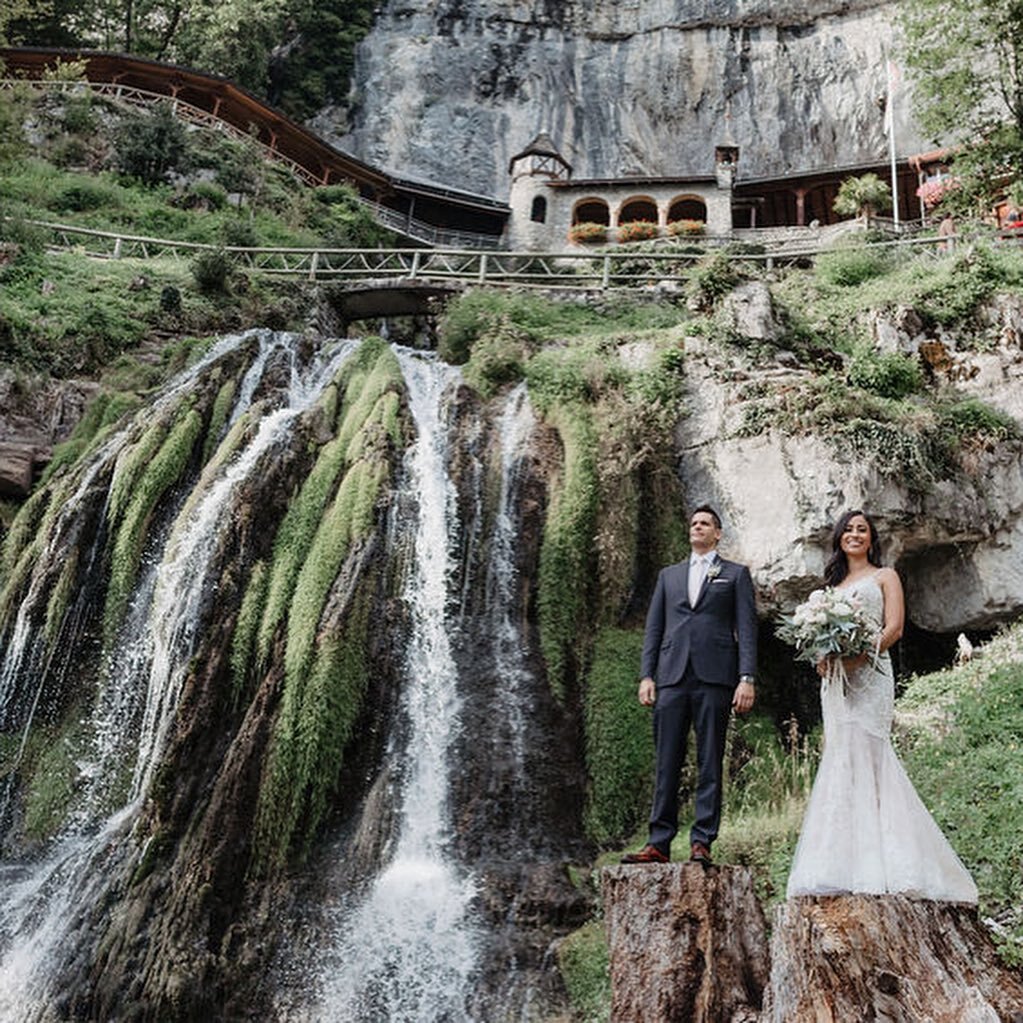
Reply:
x=717, y=636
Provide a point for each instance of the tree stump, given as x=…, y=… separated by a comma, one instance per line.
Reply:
x=887, y=958
x=686, y=944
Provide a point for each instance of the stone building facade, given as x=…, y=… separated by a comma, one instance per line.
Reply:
x=547, y=202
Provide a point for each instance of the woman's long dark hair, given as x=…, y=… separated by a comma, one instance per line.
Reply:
x=837, y=567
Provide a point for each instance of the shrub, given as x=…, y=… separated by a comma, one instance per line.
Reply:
x=712, y=276
x=887, y=374
x=587, y=233
x=847, y=267
x=82, y=196
x=239, y=233
x=205, y=193
x=972, y=418
x=464, y=321
x=498, y=356
x=637, y=231
x=149, y=146
x=686, y=227
x=79, y=117
x=211, y=271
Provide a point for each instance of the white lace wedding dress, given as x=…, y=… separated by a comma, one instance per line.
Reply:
x=865, y=828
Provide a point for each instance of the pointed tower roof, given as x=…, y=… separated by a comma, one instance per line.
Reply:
x=543, y=147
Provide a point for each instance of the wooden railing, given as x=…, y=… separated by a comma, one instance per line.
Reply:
x=133, y=96
x=611, y=268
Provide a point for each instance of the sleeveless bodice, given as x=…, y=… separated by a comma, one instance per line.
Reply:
x=868, y=697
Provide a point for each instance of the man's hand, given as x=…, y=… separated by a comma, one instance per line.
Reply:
x=742, y=701
x=647, y=692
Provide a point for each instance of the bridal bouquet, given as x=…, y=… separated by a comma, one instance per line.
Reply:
x=829, y=624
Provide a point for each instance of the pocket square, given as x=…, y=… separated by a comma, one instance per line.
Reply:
x=713, y=581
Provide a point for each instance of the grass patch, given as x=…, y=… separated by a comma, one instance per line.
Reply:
x=619, y=739
x=585, y=969
x=961, y=739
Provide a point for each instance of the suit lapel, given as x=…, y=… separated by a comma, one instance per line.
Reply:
x=706, y=581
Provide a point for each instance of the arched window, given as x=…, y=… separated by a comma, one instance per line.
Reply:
x=538, y=214
x=591, y=211
x=687, y=208
x=638, y=208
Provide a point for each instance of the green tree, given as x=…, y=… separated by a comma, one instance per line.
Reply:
x=965, y=59
x=862, y=197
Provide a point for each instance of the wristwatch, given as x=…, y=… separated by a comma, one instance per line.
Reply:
x=747, y=678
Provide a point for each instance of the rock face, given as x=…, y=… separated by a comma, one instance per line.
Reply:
x=959, y=540
x=886, y=958
x=687, y=945
x=35, y=414
x=450, y=90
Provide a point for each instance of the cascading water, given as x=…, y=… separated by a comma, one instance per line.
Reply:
x=138, y=697
x=514, y=430
x=408, y=950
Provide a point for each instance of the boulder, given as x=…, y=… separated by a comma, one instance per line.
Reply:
x=749, y=312
x=17, y=468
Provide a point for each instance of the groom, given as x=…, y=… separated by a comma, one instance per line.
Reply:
x=699, y=656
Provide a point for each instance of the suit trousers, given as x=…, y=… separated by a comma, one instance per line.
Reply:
x=705, y=708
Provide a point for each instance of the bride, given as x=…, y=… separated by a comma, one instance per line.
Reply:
x=865, y=828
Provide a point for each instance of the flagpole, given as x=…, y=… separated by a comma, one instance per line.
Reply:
x=890, y=118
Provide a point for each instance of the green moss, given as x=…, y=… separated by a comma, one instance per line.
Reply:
x=155, y=480
x=366, y=379
x=18, y=578
x=619, y=739
x=60, y=595
x=23, y=530
x=349, y=518
x=323, y=691
x=585, y=969
x=243, y=640
x=218, y=417
x=131, y=463
x=566, y=552
x=51, y=776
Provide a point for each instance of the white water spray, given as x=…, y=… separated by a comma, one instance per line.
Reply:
x=38, y=902
x=409, y=950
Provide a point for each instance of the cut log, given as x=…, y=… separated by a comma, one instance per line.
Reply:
x=686, y=944
x=846, y=958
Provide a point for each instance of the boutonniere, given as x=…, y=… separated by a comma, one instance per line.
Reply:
x=714, y=571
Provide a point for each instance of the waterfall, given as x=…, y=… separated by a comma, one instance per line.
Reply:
x=409, y=949
x=41, y=903
x=514, y=429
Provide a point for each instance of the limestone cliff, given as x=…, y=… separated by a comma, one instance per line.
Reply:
x=449, y=90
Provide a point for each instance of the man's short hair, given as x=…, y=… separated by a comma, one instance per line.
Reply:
x=710, y=511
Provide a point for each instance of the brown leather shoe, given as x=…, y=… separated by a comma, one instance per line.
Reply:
x=699, y=853
x=648, y=854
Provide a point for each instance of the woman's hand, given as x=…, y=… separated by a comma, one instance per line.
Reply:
x=852, y=663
